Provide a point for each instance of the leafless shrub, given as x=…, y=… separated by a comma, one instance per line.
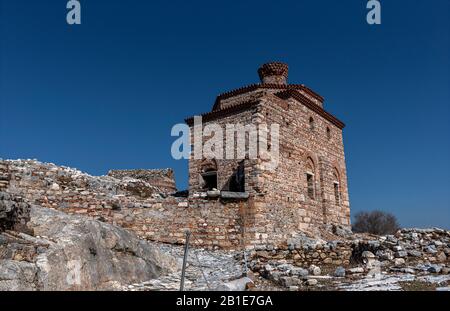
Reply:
x=375, y=222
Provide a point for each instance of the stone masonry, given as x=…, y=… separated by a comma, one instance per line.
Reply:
x=308, y=189
x=129, y=203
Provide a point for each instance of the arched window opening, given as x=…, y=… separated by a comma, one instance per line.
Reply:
x=328, y=133
x=311, y=124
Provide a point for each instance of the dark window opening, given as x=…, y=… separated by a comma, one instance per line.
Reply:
x=311, y=123
x=210, y=180
x=237, y=180
x=310, y=184
x=328, y=133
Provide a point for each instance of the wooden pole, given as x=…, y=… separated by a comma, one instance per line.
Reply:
x=186, y=249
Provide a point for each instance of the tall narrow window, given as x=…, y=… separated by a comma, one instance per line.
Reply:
x=337, y=187
x=310, y=184
x=337, y=196
x=328, y=133
x=311, y=124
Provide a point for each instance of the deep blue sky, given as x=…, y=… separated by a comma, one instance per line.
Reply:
x=105, y=94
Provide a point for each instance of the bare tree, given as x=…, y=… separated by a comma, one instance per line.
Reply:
x=375, y=222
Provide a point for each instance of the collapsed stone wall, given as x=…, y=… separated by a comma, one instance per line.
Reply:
x=161, y=178
x=130, y=203
x=408, y=252
x=329, y=253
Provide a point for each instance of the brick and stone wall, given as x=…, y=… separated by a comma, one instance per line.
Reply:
x=214, y=222
x=286, y=188
x=225, y=168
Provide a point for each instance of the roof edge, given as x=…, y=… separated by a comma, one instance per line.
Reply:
x=311, y=105
x=215, y=114
x=253, y=87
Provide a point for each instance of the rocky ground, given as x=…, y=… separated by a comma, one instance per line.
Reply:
x=413, y=259
x=206, y=270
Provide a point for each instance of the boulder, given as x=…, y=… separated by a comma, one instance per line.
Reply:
x=17, y=275
x=85, y=254
x=399, y=262
x=314, y=270
x=236, y=285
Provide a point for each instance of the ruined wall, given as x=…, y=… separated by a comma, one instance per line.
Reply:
x=330, y=253
x=145, y=211
x=160, y=178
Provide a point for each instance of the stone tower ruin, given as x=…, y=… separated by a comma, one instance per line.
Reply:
x=308, y=189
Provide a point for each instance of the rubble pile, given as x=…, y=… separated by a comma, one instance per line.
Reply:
x=409, y=254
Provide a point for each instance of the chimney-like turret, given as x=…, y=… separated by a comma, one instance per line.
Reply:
x=273, y=73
